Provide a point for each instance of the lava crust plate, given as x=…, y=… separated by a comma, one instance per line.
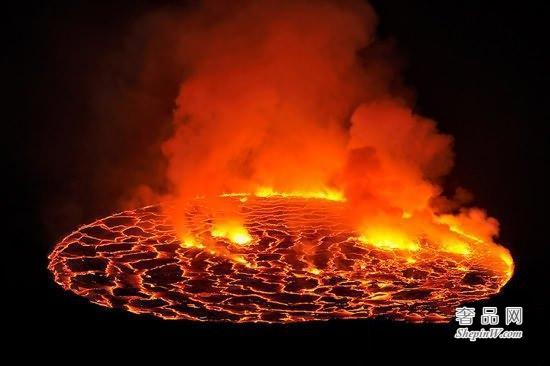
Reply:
x=303, y=264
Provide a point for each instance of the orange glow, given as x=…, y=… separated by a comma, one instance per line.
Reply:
x=264, y=192
x=233, y=231
x=317, y=269
x=457, y=247
x=388, y=239
x=190, y=242
x=326, y=194
x=314, y=270
x=507, y=258
x=243, y=261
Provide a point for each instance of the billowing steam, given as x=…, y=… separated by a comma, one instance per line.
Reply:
x=270, y=92
x=298, y=96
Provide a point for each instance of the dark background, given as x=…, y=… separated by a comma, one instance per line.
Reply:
x=477, y=68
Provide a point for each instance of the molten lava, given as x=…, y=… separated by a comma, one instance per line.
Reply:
x=291, y=259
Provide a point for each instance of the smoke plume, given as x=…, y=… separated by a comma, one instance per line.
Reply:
x=300, y=96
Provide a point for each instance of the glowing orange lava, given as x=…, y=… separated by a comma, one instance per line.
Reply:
x=290, y=260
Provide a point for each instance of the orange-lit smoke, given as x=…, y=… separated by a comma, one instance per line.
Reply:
x=298, y=96
x=271, y=88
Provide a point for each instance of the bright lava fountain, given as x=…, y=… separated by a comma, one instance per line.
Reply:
x=302, y=264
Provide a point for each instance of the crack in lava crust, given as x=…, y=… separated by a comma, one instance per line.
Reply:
x=302, y=265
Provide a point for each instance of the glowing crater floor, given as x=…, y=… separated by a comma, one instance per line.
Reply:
x=302, y=265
